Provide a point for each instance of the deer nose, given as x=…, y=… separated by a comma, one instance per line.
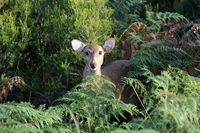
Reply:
x=93, y=65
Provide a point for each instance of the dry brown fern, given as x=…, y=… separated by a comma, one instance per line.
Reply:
x=125, y=46
x=192, y=34
x=192, y=65
x=8, y=86
x=163, y=35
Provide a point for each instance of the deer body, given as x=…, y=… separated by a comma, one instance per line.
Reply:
x=114, y=71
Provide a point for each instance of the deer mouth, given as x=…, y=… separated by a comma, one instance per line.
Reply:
x=93, y=69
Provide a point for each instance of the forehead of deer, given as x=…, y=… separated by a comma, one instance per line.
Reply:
x=93, y=47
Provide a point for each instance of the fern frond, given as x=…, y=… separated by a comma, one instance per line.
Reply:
x=121, y=130
x=93, y=100
x=175, y=98
x=24, y=113
x=19, y=128
x=135, y=83
x=155, y=19
x=158, y=55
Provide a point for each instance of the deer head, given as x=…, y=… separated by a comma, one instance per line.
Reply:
x=94, y=54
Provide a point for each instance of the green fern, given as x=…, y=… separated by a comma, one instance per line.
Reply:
x=19, y=128
x=158, y=55
x=138, y=87
x=126, y=12
x=94, y=102
x=121, y=130
x=173, y=102
x=87, y=108
x=23, y=117
x=156, y=19
x=135, y=38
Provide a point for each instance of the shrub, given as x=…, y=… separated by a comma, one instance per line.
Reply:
x=171, y=103
x=87, y=108
x=35, y=41
x=126, y=12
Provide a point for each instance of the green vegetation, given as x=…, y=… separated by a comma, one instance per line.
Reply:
x=35, y=41
x=35, y=38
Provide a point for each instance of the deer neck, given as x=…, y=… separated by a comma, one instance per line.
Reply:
x=87, y=71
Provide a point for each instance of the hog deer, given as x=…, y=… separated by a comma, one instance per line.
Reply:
x=94, y=56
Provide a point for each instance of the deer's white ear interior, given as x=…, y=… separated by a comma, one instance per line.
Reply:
x=109, y=45
x=77, y=45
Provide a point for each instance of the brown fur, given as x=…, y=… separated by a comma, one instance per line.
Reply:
x=114, y=71
x=94, y=57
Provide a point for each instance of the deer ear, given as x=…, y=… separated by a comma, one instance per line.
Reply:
x=77, y=45
x=109, y=45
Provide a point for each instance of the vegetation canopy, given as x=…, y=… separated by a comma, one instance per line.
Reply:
x=41, y=85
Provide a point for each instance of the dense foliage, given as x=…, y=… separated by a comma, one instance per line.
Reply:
x=87, y=108
x=35, y=41
x=163, y=41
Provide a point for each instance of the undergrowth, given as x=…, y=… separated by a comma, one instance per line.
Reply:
x=170, y=104
x=35, y=37
x=87, y=108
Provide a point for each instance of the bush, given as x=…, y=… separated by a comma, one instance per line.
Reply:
x=87, y=108
x=35, y=44
x=171, y=103
x=35, y=41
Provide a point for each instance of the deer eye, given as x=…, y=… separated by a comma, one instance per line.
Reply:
x=86, y=53
x=100, y=52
